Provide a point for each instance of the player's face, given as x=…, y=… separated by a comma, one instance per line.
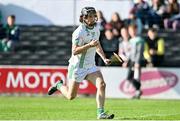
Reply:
x=91, y=19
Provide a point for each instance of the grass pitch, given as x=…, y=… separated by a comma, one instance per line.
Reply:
x=58, y=108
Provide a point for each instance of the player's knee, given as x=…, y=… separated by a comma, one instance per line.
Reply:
x=102, y=85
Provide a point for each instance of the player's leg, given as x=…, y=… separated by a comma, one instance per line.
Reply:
x=69, y=91
x=97, y=78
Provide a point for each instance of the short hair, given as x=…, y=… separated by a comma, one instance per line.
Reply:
x=12, y=16
x=153, y=30
x=133, y=26
x=124, y=27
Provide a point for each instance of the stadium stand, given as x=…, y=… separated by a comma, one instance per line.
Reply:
x=41, y=45
x=51, y=45
x=172, y=46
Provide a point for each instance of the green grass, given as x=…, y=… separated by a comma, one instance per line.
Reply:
x=58, y=108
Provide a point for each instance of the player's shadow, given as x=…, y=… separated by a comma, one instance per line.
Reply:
x=23, y=15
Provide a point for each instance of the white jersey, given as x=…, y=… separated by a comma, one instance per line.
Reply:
x=81, y=36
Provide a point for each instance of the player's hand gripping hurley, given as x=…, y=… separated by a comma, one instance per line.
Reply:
x=115, y=58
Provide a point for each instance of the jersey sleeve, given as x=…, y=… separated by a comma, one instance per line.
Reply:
x=77, y=38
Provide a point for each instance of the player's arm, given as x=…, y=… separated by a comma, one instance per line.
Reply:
x=100, y=52
x=76, y=49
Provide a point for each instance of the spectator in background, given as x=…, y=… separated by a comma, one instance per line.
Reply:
x=101, y=23
x=2, y=36
x=141, y=10
x=175, y=22
x=116, y=24
x=0, y=17
x=158, y=6
x=172, y=9
x=2, y=32
x=157, y=13
x=134, y=20
x=124, y=46
x=154, y=49
x=135, y=60
x=109, y=44
x=12, y=34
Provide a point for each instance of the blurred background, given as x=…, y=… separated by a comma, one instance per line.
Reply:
x=35, y=45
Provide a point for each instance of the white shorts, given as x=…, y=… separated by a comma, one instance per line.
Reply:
x=79, y=74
